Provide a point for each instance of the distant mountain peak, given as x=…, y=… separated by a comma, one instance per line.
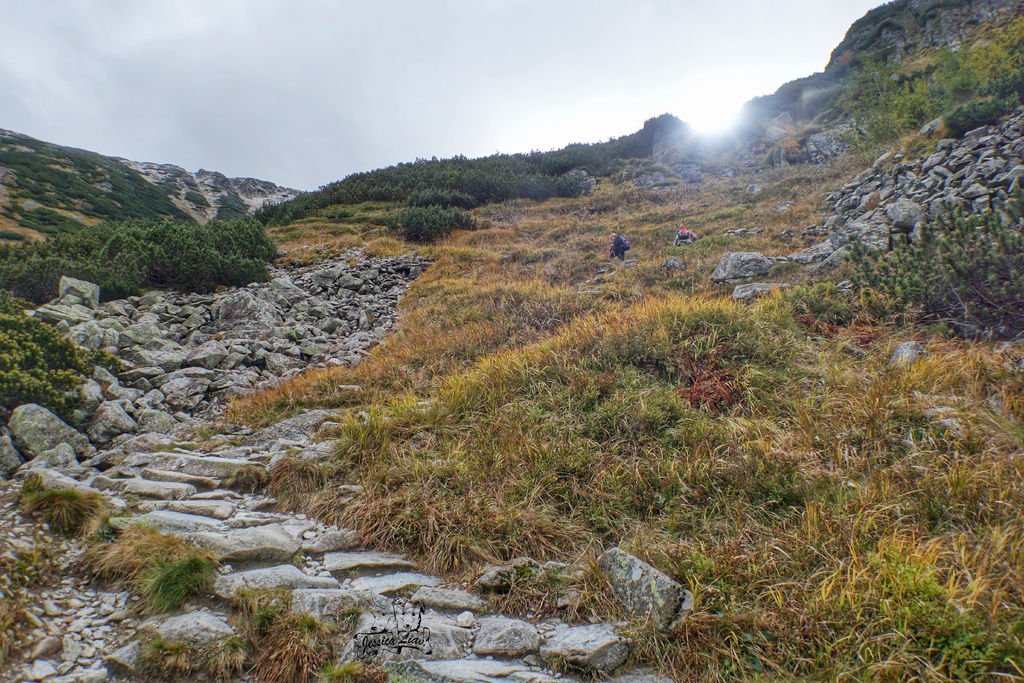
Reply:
x=47, y=189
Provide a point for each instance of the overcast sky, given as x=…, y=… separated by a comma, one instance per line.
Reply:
x=303, y=92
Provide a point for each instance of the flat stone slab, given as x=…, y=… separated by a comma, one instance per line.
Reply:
x=178, y=523
x=154, y=474
x=164, y=490
x=354, y=562
x=504, y=637
x=445, y=640
x=332, y=540
x=216, y=509
x=198, y=628
x=335, y=603
x=393, y=583
x=450, y=600
x=201, y=466
x=468, y=671
x=283, y=576
x=597, y=647
x=270, y=543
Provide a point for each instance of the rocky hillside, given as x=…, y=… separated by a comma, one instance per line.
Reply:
x=47, y=189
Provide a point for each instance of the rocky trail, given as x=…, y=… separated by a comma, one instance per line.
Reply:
x=184, y=355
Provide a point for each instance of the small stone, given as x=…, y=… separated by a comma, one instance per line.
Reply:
x=465, y=619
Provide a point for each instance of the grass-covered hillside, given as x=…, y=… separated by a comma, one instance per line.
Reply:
x=48, y=190
x=834, y=515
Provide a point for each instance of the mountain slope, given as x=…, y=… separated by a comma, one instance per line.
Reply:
x=48, y=189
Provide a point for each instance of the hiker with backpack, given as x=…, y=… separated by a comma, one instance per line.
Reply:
x=684, y=236
x=620, y=245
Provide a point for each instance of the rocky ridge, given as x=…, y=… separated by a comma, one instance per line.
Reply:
x=898, y=196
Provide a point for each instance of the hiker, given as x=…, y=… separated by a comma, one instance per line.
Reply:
x=684, y=236
x=619, y=247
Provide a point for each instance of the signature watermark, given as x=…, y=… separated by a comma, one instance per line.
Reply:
x=402, y=629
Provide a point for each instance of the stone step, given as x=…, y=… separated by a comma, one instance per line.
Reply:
x=283, y=576
x=215, y=509
x=164, y=490
x=187, y=463
x=331, y=540
x=450, y=600
x=356, y=562
x=270, y=543
x=393, y=583
x=336, y=604
x=468, y=671
x=154, y=474
x=170, y=522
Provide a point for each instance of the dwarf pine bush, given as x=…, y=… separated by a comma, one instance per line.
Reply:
x=37, y=363
x=431, y=223
x=965, y=270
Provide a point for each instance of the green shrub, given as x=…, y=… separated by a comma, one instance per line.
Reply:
x=962, y=270
x=442, y=198
x=11, y=235
x=37, y=363
x=983, y=111
x=166, y=585
x=430, y=223
x=123, y=257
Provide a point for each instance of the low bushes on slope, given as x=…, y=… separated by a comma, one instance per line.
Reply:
x=122, y=257
x=37, y=363
x=431, y=223
x=964, y=270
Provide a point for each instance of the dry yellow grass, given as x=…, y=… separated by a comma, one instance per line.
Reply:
x=831, y=520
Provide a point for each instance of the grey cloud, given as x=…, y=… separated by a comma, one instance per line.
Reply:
x=305, y=91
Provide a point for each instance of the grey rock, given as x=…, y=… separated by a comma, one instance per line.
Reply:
x=755, y=290
x=171, y=522
x=446, y=640
x=208, y=355
x=819, y=252
x=641, y=677
x=296, y=428
x=203, y=466
x=270, y=543
x=35, y=429
x=336, y=604
x=643, y=590
x=55, y=313
x=215, y=509
x=904, y=214
x=109, y=421
x=332, y=540
x=86, y=291
x=393, y=583
x=164, y=490
x=597, y=647
x=450, y=600
x=503, y=637
x=740, y=265
x=200, y=628
x=155, y=421
x=361, y=561
x=283, y=576
x=906, y=354
x=497, y=578
x=465, y=671
x=10, y=458
x=672, y=263
x=61, y=456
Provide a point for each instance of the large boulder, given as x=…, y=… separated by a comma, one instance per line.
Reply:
x=34, y=429
x=243, y=306
x=268, y=543
x=86, y=292
x=741, y=265
x=55, y=313
x=904, y=214
x=644, y=591
x=208, y=355
x=110, y=421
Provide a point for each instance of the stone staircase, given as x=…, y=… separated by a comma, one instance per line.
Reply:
x=189, y=494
